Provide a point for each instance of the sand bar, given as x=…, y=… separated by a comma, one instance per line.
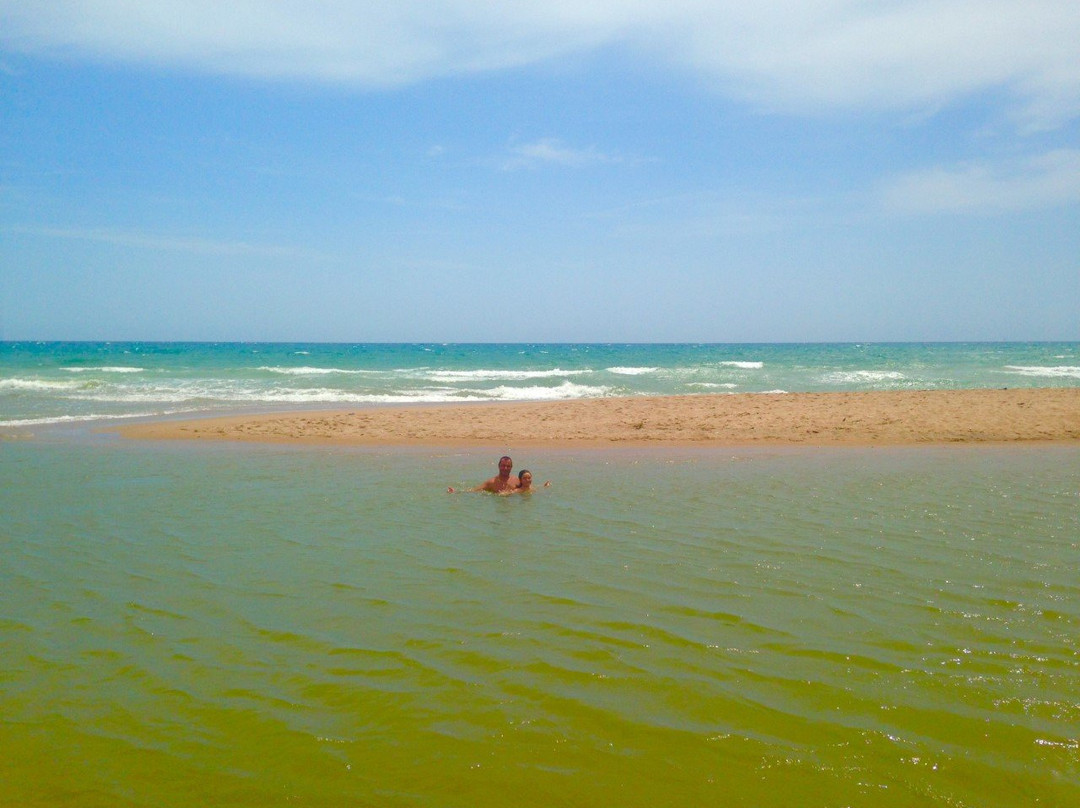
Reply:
x=893, y=418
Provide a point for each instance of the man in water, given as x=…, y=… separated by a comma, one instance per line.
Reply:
x=501, y=483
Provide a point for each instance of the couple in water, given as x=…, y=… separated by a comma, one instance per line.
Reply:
x=503, y=484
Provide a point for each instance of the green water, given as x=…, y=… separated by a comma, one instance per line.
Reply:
x=254, y=626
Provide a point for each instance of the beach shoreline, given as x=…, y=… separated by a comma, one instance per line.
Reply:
x=867, y=418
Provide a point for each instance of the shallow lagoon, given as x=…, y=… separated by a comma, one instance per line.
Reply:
x=245, y=625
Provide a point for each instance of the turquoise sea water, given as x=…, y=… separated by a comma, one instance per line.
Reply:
x=58, y=382
x=257, y=625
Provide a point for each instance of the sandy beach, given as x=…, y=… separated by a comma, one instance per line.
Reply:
x=893, y=418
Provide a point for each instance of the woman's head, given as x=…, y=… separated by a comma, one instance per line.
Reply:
x=525, y=478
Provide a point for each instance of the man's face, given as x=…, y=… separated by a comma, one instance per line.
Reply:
x=505, y=465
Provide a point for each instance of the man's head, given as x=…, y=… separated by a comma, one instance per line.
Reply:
x=505, y=465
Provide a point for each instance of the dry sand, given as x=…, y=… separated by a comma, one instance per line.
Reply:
x=891, y=418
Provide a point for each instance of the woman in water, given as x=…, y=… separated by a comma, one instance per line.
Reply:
x=525, y=479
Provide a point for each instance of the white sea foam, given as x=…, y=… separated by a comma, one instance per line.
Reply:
x=429, y=397
x=309, y=371
x=713, y=385
x=566, y=390
x=744, y=365
x=337, y=397
x=498, y=375
x=224, y=393
x=38, y=385
x=71, y=419
x=105, y=369
x=1057, y=371
x=201, y=392
x=632, y=371
x=862, y=376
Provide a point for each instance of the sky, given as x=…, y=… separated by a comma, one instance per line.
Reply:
x=587, y=171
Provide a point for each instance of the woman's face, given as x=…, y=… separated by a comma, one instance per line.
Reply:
x=526, y=479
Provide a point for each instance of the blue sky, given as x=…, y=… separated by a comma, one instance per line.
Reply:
x=591, y=171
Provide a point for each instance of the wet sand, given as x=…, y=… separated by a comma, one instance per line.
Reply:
x=891, y=418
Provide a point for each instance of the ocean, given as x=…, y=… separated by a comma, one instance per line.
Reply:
x=44, y=383
x=244, y=625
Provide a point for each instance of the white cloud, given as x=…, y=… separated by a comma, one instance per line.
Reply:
x=796, y=55
x=906, y=54
x=1041, y=181
x=549, y=151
